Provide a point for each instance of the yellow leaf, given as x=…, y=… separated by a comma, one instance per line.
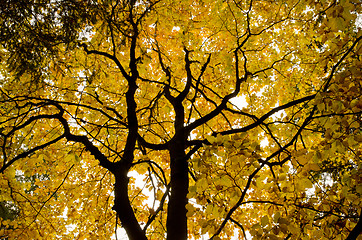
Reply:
x=313, y=167
x=264, y=220
x=359, y=189
x=276, y=217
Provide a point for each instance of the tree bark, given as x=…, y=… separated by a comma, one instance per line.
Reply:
x=357, y=230
x=124, y=209
x=176, y=216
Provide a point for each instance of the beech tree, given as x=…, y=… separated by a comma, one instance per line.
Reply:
x=180, y=119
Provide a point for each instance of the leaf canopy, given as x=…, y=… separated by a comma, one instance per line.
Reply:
x=180, y=119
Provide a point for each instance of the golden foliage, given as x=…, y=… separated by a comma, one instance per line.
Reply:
x=151, y=83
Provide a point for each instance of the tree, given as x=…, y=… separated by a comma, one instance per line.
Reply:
x=239, y=118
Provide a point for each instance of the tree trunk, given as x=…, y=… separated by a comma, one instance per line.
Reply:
x=124, y=209
x=176, y=216
x=356, y=231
